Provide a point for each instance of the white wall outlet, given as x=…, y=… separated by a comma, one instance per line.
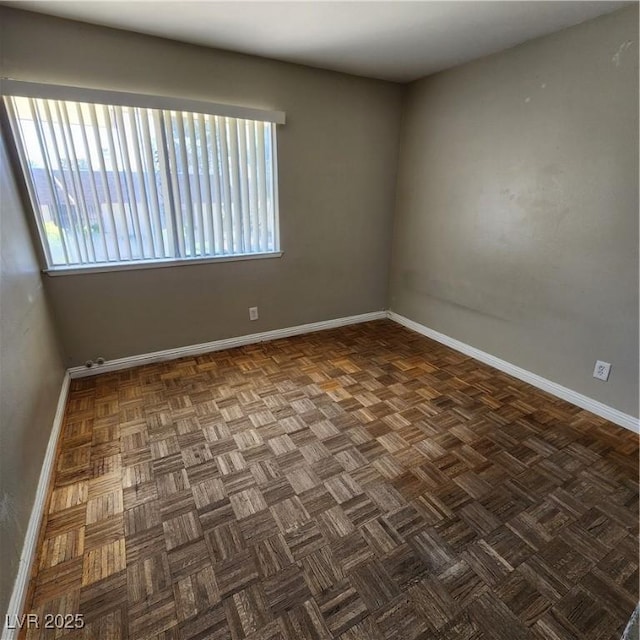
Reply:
x=602, y=370
x=253, y=313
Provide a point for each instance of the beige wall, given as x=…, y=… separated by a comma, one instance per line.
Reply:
x=516, y=224
x=337, y=156
x=31, y=372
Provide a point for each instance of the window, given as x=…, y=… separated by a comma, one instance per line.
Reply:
x=115, y=184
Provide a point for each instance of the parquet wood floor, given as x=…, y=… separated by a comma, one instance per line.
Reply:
x=360, y=483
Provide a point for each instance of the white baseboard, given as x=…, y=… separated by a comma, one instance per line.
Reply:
x=21, y=584
x=219, y=345
x=582, y=401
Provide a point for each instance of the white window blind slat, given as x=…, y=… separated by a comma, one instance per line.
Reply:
x=67, y=170
x=173, y=186
x=145, y=204
x=122, y=224
x=243, y=180
x=272, y=233
x=214, y=179
x=221, y=135
x=262, y=188
x=146, y=118
x=195, y=171
x=110, y=226
x=87, y=237
x=207, y=198
x=236, y=202
x=121, y=184
x=253, y=187
x=67, y=217
x=185, y=201
x=130, y=196
x=59, y=234
x=170, y=182
x=93, y=187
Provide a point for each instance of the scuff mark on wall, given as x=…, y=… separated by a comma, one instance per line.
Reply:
x=466, y=293
x=7, y=509
x=617, y=56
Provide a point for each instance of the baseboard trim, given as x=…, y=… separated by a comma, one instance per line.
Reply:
x=21, y=584
x=604, y=411
x=219, y=345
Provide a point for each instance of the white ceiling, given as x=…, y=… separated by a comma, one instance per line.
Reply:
x=396, y=40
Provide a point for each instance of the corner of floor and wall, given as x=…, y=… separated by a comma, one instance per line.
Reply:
x=514, y=230
x=516, y=221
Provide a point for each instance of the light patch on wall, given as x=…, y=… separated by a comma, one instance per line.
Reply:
x=532, y=206
x=617, y=56
x=7, y=511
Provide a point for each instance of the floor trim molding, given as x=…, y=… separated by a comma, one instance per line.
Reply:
x=604, y=411
x=21, y=584
x=219, y=345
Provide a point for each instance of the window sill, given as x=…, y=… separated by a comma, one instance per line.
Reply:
x=156, y=264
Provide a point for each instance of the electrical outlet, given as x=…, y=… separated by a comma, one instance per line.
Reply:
x=602, y=370
x=253, y=313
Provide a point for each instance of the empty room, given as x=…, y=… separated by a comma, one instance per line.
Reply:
x=319, y=320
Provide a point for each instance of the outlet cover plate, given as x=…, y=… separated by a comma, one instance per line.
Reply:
x=253, y=313
x=602, y=370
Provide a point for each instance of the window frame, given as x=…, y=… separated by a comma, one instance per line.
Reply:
x=16, y=88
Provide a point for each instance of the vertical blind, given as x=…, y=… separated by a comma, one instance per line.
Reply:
x=121, y=184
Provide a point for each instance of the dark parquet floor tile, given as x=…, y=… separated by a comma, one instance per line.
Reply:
x=359, y=483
